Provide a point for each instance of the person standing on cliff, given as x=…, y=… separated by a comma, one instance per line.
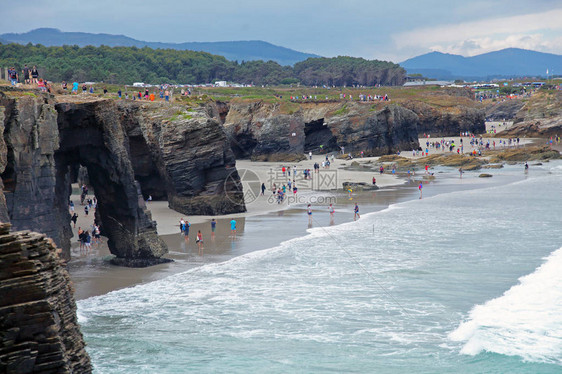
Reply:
x=25, y=72
x=34, y=74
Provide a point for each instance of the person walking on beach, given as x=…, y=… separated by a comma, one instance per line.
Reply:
x=87, y=241
x=214, y=226
x=199, y=242
x=356, y=212
x=81, y=238
x=309, y=212
x=233, y=228
x=420, y=188
x=331, y=210
x=186, y=226
x=262, y=189
x=74, y=219
x=460, y=171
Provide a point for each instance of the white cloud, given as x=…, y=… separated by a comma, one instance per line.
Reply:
x=539, y=31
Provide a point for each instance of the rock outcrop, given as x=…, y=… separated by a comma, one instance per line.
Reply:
x=265, y=132
x=541, y=116
x=375, y=133
x=130, y=151
x=38, y=324
x=503, y=110
x=91, y=135
x=449, y=121
x=184, y=156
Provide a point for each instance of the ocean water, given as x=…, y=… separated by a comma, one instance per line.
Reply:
x=468, y=281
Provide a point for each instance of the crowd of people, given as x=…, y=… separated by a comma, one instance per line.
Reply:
x=91, y=235
x=30, y=77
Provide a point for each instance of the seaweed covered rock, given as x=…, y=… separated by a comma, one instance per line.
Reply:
x=527, y=153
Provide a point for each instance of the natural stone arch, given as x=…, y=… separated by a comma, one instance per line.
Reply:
x=91, y=135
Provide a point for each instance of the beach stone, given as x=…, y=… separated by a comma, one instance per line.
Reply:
x=527, y=153
x=38, y=323
x=359, y=186
x=484, y=175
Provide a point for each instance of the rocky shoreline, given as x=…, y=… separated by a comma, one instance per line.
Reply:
x=40, y=331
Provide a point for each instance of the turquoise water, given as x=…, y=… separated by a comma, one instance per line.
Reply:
x=459, y=282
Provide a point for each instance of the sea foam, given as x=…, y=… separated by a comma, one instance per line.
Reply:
x=525, y=321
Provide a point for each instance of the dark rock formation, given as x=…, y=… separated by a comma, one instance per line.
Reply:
x=260, y=132
x=183, y=156
x=91, y=135
x=541, y=116
x=377, y=133
x=448, y=122
x=504, y=110
x=263, y=132
x=359, y=186
x=29, y=177
x=39, y=331
x=128, y=149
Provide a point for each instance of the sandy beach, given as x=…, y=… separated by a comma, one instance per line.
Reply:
x=265, y=224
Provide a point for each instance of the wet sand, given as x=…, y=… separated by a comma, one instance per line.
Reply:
x=92, y=274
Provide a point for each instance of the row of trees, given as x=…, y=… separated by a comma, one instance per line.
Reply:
x=125, y=65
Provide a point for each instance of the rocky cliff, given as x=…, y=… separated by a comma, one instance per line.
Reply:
x=447, y=121
x=129, y=150
x=268, y=132
x=540, y=116
x=504, y=110
x=183, y=155
x=264, y=132
x=39, y=332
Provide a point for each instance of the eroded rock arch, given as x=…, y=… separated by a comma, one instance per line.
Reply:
x=91, y=135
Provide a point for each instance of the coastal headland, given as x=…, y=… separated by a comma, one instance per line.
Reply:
x=141, y=166
x=184, y=152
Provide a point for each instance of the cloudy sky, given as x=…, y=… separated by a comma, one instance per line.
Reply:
x=373, y=29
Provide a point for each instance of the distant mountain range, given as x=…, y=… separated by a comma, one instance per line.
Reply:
x=510, y=62
x=233, y=50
